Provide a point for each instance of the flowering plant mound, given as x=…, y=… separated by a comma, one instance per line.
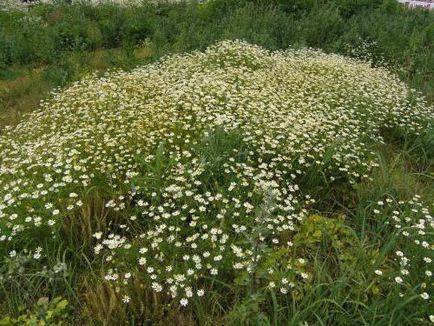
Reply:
x=206, y=164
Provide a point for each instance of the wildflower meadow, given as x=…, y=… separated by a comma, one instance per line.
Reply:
x=203, y=175
x=230, y=185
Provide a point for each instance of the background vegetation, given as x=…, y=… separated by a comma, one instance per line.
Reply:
x=52, y=46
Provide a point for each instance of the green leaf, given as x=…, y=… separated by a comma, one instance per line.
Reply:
x=62, y=305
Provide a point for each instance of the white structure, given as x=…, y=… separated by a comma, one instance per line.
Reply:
x=425, y=4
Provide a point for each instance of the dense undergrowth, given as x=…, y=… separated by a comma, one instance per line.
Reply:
x=234, y=185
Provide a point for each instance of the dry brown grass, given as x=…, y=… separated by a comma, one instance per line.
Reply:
x=21, y=95
x=102, y=303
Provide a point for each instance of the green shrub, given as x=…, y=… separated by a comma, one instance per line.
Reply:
x=43, y=313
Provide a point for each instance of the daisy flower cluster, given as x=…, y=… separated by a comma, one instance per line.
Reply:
x=201, y=160
x=411, y=223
